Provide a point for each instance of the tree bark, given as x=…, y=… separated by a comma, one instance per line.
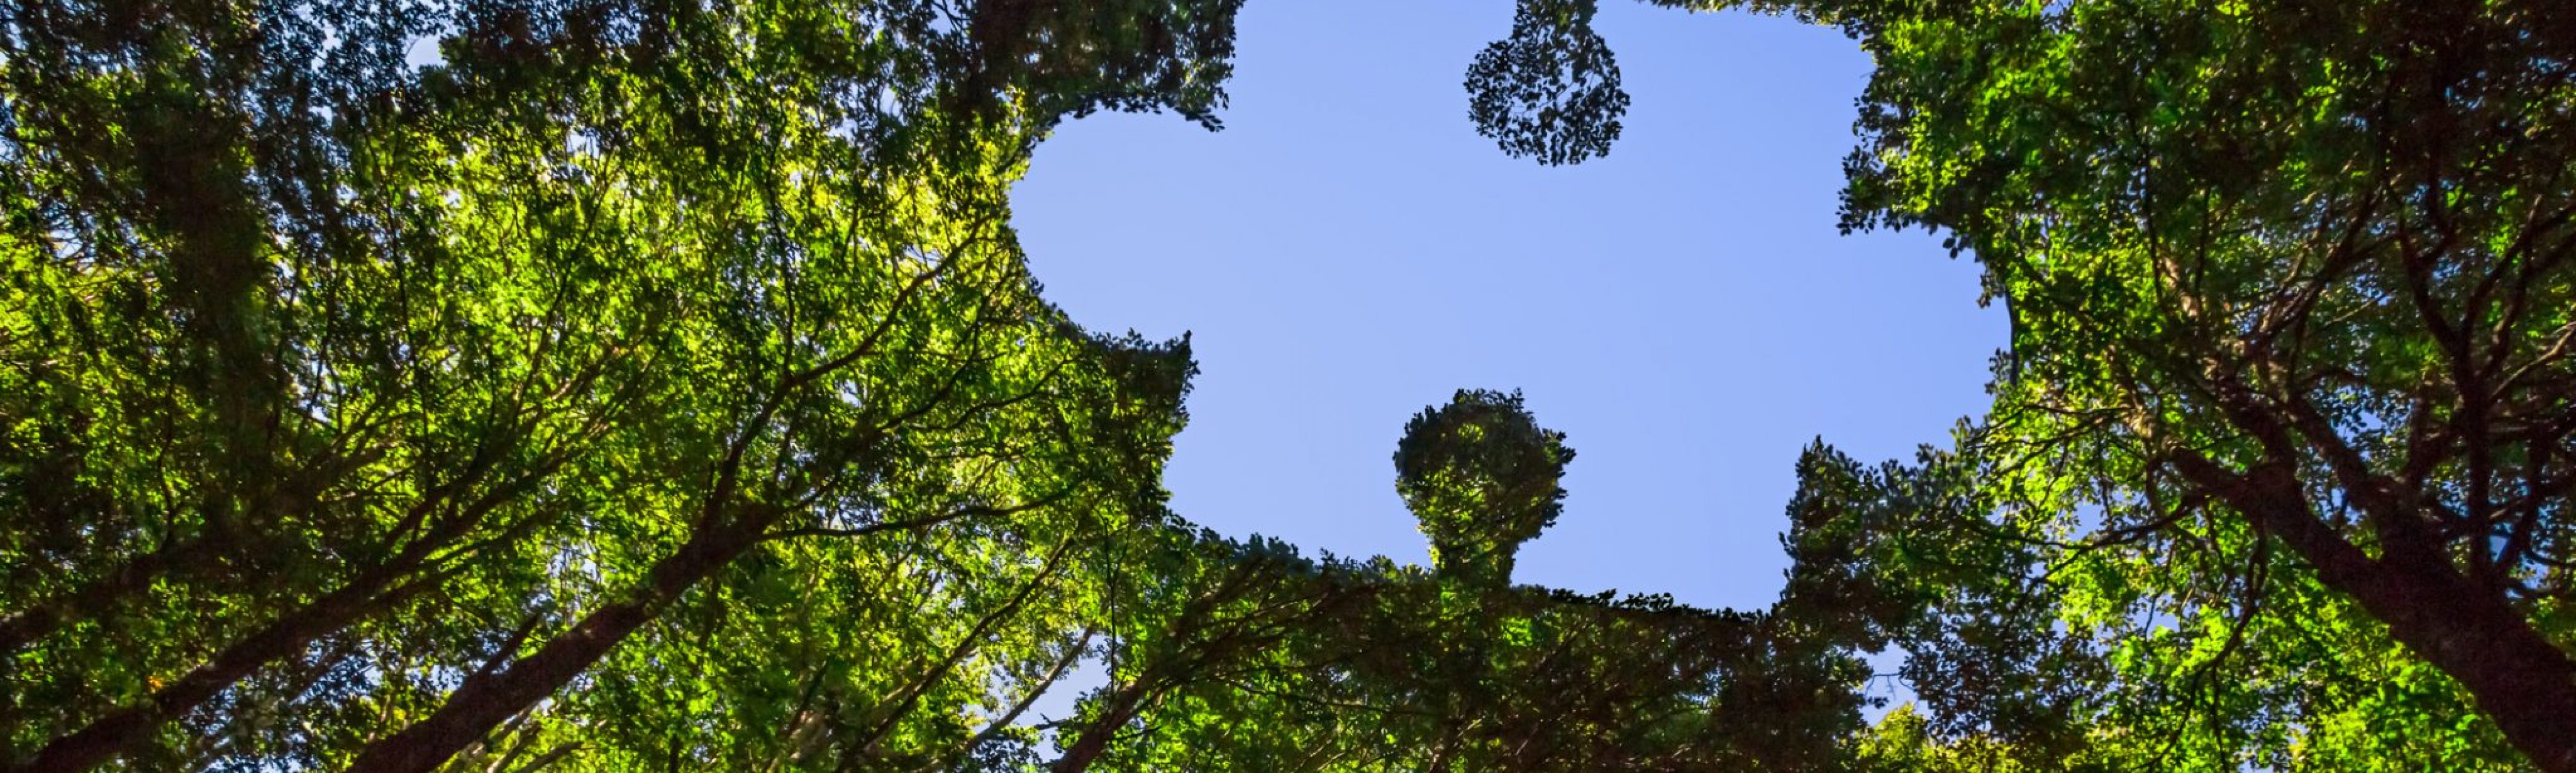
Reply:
x=373, y=591
x=484, y=701
x=114, y=734
x=2522, y=681
x=1096, y=735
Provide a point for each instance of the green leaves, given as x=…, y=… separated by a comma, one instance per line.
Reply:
x=1482, y=477
x=1551, y=90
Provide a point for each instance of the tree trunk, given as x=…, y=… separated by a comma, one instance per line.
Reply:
x=2521, y=680
x=1096, y=736
x=2518, y=678
x=484, y=701
x=371, y=592
x=119, y=731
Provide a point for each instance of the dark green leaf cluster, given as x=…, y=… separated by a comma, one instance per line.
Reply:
x=1551, y=90
x=1482, y=478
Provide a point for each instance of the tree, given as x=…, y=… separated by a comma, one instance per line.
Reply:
x=2291, y=289
x=342, y=389
x=2306, y=319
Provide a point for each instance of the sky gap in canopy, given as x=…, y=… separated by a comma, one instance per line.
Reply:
x=1348, y=251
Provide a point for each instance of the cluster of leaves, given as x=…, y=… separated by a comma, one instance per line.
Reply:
x=1551, y=90
x=1481, y=477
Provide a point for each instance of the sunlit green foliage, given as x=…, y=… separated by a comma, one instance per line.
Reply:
x=636, y=384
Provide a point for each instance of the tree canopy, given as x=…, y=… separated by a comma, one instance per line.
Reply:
x=551, y=385
x=653, y=386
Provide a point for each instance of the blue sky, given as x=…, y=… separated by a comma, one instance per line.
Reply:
x=1348, y=251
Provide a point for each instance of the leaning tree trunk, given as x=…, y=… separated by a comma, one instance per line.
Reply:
x=119, y=731
x=484, y=701
x=2518, y=678
x=1094, y=739
x=2521, y=680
